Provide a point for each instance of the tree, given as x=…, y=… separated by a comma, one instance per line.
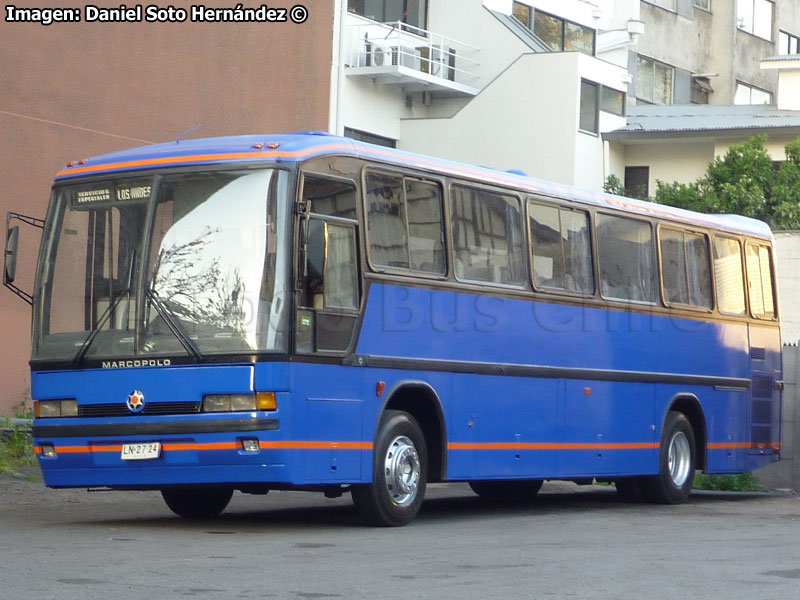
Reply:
x=745, y=181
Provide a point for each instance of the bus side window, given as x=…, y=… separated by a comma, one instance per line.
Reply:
x=328, y=271
x=759, y=280
x=729, y=277
x=628, y=269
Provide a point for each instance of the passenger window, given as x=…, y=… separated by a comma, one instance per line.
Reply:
x=685, y=268
x=729, y=276
x=487, y=230
x=626, y=252
x=404, y=222
x=561, y=245
x=759, y=281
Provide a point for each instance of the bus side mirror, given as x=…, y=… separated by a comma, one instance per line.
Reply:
x=10, y=263
x=10, y=255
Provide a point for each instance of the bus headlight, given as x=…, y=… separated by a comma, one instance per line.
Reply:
x=45, y=409
x=239, y=402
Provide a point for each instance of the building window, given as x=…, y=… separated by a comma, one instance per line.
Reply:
x=788, y=43
x=595, y=98
x=637, y=181
x=370, y=138
x=654, y=81
x=701, y=88
x=668, y=4
x=559, y=34
x=747, y=94
x=412, y=12
x=589, y=117
x=612, y=101
x=703, y=4
x=755, y=16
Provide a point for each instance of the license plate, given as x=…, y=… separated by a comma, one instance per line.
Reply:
x=141, y=451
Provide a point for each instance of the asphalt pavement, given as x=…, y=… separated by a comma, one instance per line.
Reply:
x=571, y=542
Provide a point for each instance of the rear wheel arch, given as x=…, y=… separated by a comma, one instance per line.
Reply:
x=690, y=406
x=420, y=400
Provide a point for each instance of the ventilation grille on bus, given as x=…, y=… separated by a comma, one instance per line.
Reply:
x=758, y=353
x=156, y=408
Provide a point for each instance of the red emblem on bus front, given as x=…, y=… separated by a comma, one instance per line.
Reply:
x=135, y=401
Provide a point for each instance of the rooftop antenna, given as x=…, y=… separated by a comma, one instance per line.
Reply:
x=188, y=131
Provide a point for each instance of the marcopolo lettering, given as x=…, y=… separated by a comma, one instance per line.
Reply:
x=128, y=364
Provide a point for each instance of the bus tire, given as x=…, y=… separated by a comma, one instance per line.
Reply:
x=197, y=502
x=507, y=492
x=399, y=473
x=676, y=464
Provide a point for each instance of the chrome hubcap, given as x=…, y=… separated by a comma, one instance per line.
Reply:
x=680, y=458
x=402, y=471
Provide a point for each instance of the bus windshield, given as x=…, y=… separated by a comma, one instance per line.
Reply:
x=164, y=266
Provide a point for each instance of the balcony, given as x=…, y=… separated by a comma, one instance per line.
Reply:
x=418, y=60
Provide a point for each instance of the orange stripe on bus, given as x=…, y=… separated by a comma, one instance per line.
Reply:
x=739, y=445
x=309, y=445
x=176, y=160
x=553, y=446
x=184, y=446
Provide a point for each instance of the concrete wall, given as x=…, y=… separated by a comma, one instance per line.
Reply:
x=787, y=254
x=74, y=90
x=683, y=161
x=526, y=119
x=785, y=474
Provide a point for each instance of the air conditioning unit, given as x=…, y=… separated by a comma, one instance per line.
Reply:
x=438, y=61
x=406, y=56
x=375, y=54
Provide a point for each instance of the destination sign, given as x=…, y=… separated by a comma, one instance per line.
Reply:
x=89, y=196
x=121, y=193
x=134, y=192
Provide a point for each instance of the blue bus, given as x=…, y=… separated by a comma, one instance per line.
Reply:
x=307, y=312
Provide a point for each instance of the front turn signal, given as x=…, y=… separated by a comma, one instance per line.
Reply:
x=266, y=401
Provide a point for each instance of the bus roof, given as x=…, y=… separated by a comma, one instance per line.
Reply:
x=295, y=147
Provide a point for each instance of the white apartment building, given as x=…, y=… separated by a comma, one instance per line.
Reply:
x=471, y=81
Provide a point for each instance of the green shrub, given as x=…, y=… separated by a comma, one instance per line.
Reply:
x=16, y=448
x=743, y=482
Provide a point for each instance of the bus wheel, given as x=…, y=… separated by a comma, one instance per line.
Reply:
x=399, y=473
x=197, y=502
x=507, y=492
x=676, y=464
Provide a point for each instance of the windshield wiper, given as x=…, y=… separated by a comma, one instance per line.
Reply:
x=172, y=323
x=112, y=304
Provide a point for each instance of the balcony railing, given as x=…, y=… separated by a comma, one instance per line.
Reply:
x=417, y=59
